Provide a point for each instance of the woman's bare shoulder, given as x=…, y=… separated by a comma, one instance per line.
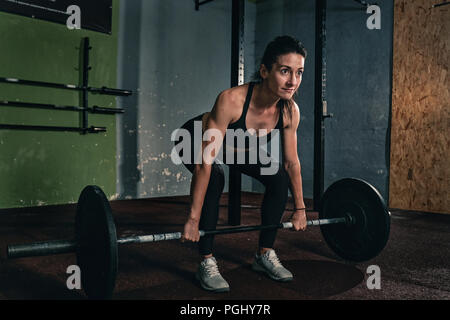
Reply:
x=231, y=101
x=292, y=119
x=234, y=96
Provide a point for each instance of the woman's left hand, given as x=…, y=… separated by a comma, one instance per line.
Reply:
x=298, y=220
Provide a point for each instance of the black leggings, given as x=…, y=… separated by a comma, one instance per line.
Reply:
x=273, y=205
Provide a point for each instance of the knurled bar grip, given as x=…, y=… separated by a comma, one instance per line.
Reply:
x=177, y=235
x=68, y=246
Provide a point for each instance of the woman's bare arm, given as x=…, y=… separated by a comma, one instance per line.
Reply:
x=219, y=118
x=293, y=168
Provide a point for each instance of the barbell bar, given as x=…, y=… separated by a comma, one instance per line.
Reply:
x=69, y=246
x=353, y=219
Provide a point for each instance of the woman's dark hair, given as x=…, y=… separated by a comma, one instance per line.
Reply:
x=279, y=46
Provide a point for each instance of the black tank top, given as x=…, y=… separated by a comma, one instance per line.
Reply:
x=240, y=123
x=232, y=145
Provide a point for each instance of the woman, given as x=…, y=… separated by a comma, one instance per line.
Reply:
x=264, y=105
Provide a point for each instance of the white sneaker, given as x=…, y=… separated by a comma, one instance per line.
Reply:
x=271, y=265
x=209, y=276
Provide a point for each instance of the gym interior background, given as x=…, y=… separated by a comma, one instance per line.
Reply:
x=386, y=88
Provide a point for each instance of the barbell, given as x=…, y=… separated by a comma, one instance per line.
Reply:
x=353, y=219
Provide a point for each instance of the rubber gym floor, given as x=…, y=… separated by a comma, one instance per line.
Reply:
x=414, y=264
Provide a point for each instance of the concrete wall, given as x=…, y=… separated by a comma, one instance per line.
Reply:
x=177, y=60
x=40, y=168
x=358, y=86
x=360, y=77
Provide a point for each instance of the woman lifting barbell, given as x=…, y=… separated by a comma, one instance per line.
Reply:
x=266, y=106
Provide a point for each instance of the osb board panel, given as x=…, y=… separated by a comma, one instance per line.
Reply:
x=419, y=171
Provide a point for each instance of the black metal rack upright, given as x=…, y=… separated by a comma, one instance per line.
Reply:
x=237, y=78
x=84, y=109
x=320, y=102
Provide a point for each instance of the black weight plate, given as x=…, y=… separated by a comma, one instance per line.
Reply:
x=367, y=235
x=97, y=254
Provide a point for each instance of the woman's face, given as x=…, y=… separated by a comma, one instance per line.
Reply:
x=285, y=77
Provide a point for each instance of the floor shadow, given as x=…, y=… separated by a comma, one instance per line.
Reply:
x=321, y=279
x=19, y=283
x=313, y=280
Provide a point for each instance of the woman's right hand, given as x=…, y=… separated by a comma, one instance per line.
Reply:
x=191, y=232
x=298, y=219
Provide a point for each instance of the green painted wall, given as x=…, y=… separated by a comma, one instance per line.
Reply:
x=44, y=168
